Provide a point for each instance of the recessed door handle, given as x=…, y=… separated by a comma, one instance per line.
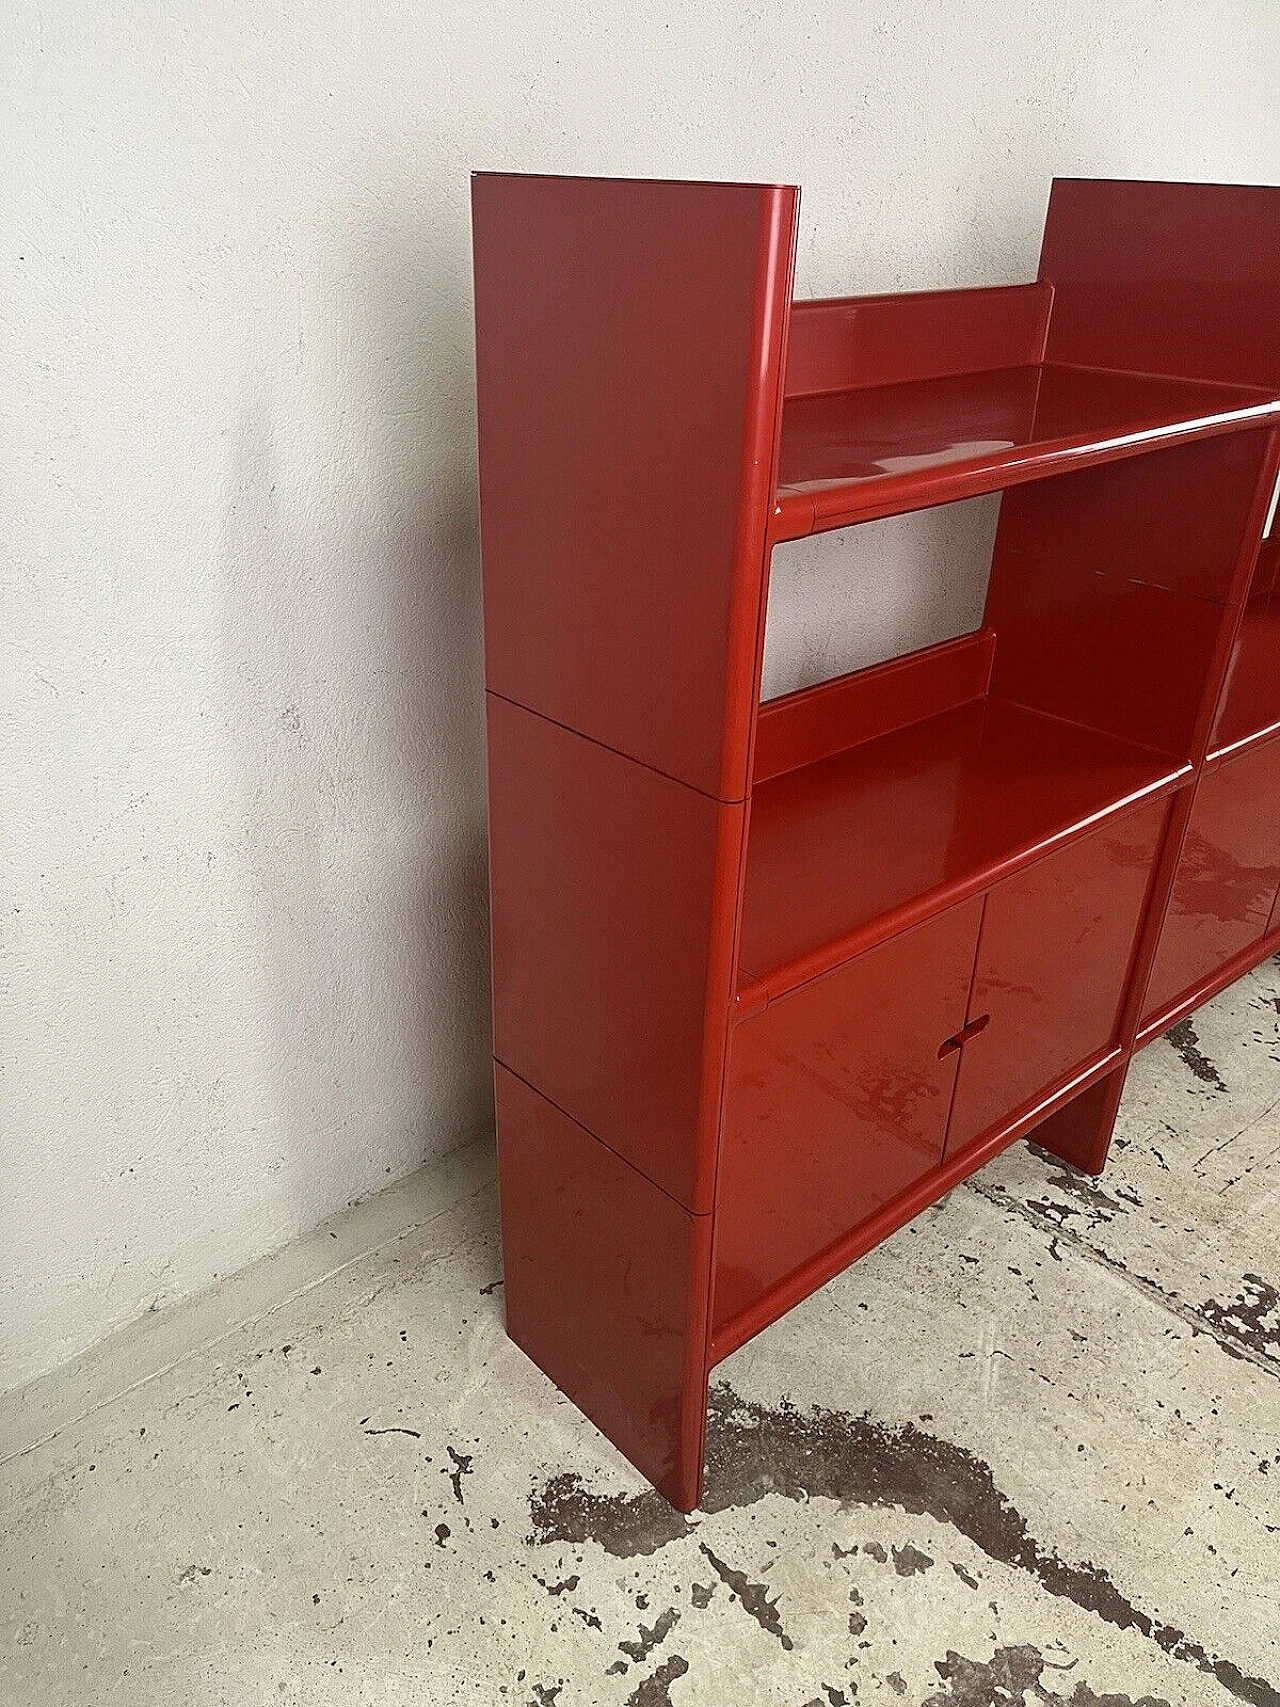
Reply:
x=964, y=1034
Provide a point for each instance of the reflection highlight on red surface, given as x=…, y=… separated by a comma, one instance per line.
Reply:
x=876, y=450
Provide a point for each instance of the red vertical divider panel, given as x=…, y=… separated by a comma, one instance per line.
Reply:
x=1177, y=280
x=1165, y=278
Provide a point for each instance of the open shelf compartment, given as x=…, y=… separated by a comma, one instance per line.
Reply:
x=894, y=403
x=883, y=831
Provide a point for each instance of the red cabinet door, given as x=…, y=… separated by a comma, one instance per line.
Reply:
x=1053, y=963
x=1227, y=877
x=837, y=1100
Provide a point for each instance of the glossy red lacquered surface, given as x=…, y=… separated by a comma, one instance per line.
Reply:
x=859, y=844
x=878, y=451
x=1107, y=599
x=1052, y=773
x=1052, y=967
x=1079, y=1130
x=1224, y=975
x=837, y=343
x=837, y=1101
x=606, y=1287
x=611, y=945
x=1227, y=877
x=1130, y=520
x=1250, y=708
x=897, y=1212
x=817, y=723
x=628, y=357
x=1165, y=278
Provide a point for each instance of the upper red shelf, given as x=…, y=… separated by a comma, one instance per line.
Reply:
x=848, y=850
x=855, y=455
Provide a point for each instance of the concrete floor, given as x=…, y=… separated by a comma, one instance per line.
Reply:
x=1026, y=1453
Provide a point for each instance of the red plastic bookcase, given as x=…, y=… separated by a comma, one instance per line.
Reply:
x=769, y=978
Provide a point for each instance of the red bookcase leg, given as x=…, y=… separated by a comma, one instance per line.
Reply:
x=607, y=1284
x=1080, y=1133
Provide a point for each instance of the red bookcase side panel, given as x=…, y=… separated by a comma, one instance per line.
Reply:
x=606, y=1287
x=613, y=895
x=1165, y=278
x=629, y=348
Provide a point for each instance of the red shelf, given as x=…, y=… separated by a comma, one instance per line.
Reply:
x=845, y=852
x=1251, y=705
x=855, y=455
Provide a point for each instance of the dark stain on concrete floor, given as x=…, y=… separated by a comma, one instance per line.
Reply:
x=1064, y=1316
x=1014, y=1675
x=655, y=1690
x=754, y=1451
x=1186, y=1040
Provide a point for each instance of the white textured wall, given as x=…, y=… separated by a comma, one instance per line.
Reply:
x=244, y=971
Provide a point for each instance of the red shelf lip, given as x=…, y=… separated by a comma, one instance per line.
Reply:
x=1243, y=743
x=815, y=506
